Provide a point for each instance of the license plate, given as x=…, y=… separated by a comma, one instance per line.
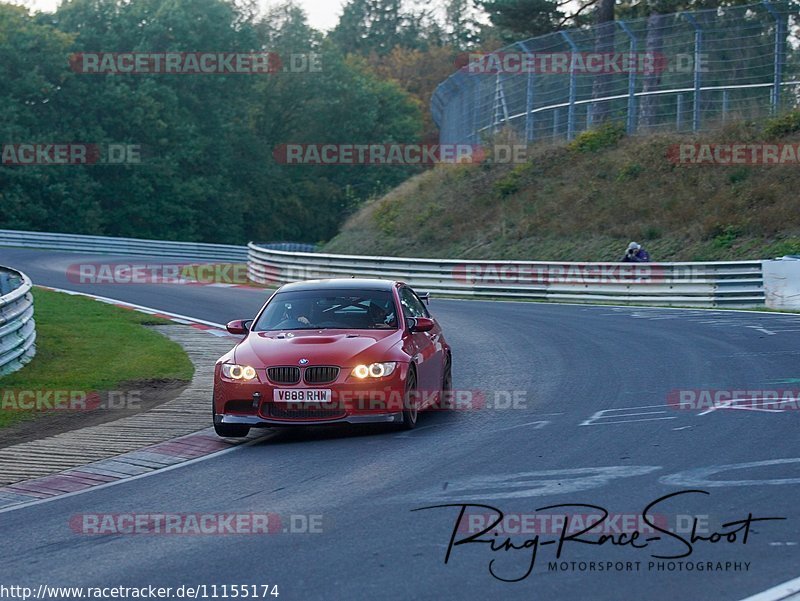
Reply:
x=302, y=395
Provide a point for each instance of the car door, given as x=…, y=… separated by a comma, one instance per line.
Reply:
x=427, y=345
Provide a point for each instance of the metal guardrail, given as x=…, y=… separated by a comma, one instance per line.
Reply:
x=713, y=284
x=192, y=251
x=300, y=247
x=17, y=328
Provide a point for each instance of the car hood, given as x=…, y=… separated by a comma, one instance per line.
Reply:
x=319, y=347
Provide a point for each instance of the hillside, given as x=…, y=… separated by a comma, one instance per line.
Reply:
x=588, y=199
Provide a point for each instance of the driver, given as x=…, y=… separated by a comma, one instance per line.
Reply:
x=300, y=311
x=377, y=315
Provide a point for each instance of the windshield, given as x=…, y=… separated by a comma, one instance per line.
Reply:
x=329, y=309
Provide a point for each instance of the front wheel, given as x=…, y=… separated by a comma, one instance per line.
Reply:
x=231, y=430
x=410, y=410
x=447, y=401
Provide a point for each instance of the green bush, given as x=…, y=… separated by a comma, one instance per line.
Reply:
x=510, y=183
x=726, y=238
x=790, y=246
x=386, y=215
x=629, y=171
x=596, y=139
x=739, y=175
x=784, y=125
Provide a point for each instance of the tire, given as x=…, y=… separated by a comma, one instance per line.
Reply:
x=229, y=430
x=447, y=385
x=410, y=411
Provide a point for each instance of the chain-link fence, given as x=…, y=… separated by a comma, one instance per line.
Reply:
x=685, y=71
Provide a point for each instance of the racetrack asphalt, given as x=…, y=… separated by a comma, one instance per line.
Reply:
x=591, y=425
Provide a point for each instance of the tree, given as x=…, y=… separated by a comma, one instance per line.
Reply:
x=369, y=26
x=603, y=44
x=521, y=19
x=208, y=172
x=461, y=27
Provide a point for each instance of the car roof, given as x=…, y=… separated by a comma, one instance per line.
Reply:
x=341, y=284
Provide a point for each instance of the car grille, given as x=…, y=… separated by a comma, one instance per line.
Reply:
x=284, y=375
x=280, y=412
x=321, y=375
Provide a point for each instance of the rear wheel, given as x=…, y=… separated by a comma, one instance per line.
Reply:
x=410, y=411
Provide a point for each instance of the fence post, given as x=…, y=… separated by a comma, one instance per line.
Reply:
x=572, y=85
x=556, y=124
x=780, y=39
x=725, y=98
x=698, y=51
x=476, y=110
x=631, y=126
x=529, y=131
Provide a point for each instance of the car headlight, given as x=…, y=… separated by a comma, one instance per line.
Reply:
x=374, y=370
x=238, y=372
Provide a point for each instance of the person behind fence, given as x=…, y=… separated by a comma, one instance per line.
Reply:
x=636, y=254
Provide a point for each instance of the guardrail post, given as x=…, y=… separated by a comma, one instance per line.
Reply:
x=529, y=116
x=698, y=55
x=631, y=125
x=572, y=87
x=780, y=41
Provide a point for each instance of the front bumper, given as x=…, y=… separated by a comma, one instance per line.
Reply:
x=353, y=402
x=255, y=421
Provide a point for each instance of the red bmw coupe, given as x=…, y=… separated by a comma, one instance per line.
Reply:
x=328, y=351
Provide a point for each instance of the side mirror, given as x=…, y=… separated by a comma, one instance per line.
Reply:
x=421, y=324
x=239, y=327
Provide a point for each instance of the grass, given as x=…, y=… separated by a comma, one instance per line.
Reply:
x=90, y=346
x=584, y=201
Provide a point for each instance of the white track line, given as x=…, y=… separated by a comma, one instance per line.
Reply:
x=782, y=591
x=753, y=312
